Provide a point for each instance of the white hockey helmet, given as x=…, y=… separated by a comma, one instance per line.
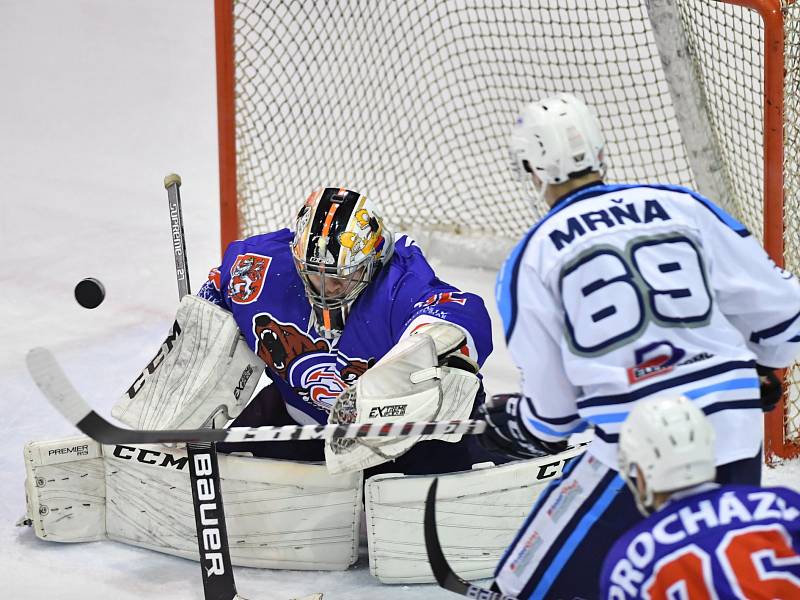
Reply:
x=556, y=138
x=671, y=442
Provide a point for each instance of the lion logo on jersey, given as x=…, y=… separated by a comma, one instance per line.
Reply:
x=280, y=343
x=247, y=277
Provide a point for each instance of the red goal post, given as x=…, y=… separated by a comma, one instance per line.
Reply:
x=411, y=102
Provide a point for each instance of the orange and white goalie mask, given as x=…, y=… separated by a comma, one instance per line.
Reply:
x=339, y=244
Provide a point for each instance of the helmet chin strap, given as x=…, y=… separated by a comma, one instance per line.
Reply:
x=537, y=193
x=644, y=502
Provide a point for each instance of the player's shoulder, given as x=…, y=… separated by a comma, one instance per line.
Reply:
x=408, y=276
x=408, y=258
x=757, y=495
x=406, y=248
x=600, y=209
x=269, y=244
x=750, y=503
x=263, y=256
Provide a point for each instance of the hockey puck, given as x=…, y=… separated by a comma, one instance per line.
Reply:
x=89, y=292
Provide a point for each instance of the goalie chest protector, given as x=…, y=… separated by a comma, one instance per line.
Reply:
x=259, y=284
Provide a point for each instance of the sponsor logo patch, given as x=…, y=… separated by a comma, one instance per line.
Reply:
x=526, y=552
x=658, y=358
x=567, y=495
x=394, y=410
x=442, y=298
x=661, y=366
x=81, y=450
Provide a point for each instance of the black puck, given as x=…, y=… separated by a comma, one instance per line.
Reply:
x=90, y=292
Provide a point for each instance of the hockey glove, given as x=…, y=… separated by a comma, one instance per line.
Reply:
x=506, y=435
x=771, y=388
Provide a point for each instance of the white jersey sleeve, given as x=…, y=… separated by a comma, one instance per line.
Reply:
x=549, y=409
x=759, y=298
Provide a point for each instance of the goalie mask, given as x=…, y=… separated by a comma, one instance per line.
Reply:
x=339, y=245
x=556, y=139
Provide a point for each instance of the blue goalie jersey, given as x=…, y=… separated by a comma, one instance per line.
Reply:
x=259, y=284
x=731, y=542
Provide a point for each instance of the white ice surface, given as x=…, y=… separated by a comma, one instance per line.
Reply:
x=100, y=100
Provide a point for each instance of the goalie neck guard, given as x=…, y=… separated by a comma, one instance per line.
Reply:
x=339, y=244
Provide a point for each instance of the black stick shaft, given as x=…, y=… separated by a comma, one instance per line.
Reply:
x=444, y=574
x=209, y=518
x=209, y=514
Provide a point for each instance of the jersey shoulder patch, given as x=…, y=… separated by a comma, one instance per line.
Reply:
x=247, y=263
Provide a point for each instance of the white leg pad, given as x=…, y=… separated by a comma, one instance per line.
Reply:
x=478, y=513
x=279, y=514
x=65, y=488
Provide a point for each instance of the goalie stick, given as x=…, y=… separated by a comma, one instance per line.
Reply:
x=207, y=501
x=59, y=391
x=442, y=571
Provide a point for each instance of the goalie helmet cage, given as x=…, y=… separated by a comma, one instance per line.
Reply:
x=411, y=102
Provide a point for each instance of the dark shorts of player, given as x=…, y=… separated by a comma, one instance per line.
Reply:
x=559, y=551
x=425, y=458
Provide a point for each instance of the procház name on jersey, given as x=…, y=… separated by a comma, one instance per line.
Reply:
x=726, y=511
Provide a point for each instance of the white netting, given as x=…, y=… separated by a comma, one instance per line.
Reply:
x=411, y=102
x=791, y=174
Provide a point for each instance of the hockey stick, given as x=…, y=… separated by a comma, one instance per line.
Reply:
x=442, y=571
x=209, y=507
x=59, y=391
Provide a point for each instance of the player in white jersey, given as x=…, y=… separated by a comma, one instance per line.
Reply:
x=620, y=293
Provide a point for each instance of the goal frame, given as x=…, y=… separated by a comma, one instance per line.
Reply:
x=777, y=446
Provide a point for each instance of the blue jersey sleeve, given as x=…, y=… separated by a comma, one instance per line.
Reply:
x=421, y=297
x=210, y=290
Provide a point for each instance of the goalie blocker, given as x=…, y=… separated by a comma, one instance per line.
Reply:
x=202, y=374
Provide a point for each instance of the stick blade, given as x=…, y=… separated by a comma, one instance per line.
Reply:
x=53, y=383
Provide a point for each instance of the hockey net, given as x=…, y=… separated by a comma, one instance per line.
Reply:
x=411, y=103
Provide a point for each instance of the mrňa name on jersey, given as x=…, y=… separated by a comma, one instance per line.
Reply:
x=608, y=218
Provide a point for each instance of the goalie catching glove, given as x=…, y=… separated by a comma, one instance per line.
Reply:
x=424, y=377
x=507, y=434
